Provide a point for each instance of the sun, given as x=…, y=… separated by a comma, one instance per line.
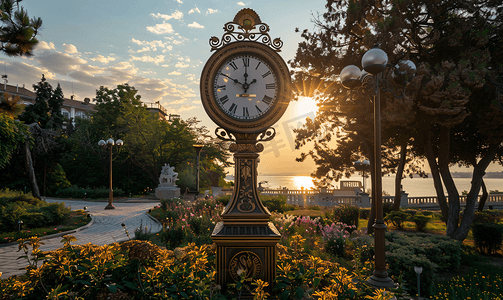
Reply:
x=306, y=105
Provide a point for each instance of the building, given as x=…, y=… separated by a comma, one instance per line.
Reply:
x=71, y=108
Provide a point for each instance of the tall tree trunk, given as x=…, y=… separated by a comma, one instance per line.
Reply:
x=430, y=157
x=469, y=213
x=28, y=163
x=399, y=174
x=450, y=186
x=484, y=196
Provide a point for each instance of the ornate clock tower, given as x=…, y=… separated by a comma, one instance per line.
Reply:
x=245, y=89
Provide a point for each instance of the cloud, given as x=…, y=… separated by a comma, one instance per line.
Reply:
x=195, y=25
x=102, y=59
x=211, y=11
x=161, y=28
x=241, y=3
x=186, y=108
x=44, y=46
x=58, y=62
x=137, y=42
x=70, y=48
x=194, y=10
x=25, y=74
x=179, y=1
x=181, y=65
x=157, y=59
x=177, y=15
x=181, y=101
x=175, y=73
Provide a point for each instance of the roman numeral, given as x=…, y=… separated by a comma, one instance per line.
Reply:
x=270, y=86
x=266, y=74
x=267, y=100
x=245, y=112
x=224, y=99
x=233, y=108
x=233, y=65
x=246, y=62
x=221, y=87
x=258, y=109
x=258, y=65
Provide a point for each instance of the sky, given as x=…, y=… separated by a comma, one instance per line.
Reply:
x=159, y=47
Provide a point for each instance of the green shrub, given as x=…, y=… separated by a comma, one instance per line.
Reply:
x=432, y=252
x=488, y=237
x=397, y=218
x=387, y=208
x=494, y=216
x=33, y=216
x=173, y=236
x=346, y=214
x=421, y=221
x=274, y=203
x=364, y=213
x=224, y=200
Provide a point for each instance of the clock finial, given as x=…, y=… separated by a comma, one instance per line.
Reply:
x=246, y=25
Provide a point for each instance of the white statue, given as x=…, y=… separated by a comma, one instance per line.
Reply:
x=168, y=176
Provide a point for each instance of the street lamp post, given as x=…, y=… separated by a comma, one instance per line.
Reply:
x=198, y=153
x=374, y=62
x=362, y=165
x=110, y=143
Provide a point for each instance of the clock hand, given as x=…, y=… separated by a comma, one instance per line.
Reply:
x=246, y=85
x=235, y=80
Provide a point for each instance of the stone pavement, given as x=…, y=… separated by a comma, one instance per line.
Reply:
x=105, y=229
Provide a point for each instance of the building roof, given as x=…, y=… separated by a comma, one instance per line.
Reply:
x=24, y=93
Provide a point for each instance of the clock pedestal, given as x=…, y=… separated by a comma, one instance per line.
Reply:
x=245, y=239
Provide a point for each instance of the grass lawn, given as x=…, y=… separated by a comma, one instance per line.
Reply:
x=76, y=219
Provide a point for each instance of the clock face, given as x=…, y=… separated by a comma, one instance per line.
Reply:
x=245, y=87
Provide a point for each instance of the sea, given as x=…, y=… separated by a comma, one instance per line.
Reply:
x=415, y=187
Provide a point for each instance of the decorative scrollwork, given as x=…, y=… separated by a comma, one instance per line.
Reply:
x=388, y=87
x=222, y=134
x=246, y=26
x=267, y=135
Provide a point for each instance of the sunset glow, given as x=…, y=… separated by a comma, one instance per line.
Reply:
x=305, y=182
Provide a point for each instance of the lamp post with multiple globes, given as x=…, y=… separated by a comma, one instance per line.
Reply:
x=110, y=143
x=362, y=165
x=374, y=63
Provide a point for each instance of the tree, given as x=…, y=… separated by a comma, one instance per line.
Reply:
x=17, y=32
x=149, y=143
x=39, y=112
x=55, y=103
x=455, y=46
x=12, y=133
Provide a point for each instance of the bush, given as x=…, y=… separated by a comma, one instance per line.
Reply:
x=397, y=218
x=346, y=214
x=224, y=200
x=335, y=237
x=488, y=216
x=432, y=252
x=488, y=237
x=275, y=203
x=33, y=216
x=421, y=221
x=173, y=236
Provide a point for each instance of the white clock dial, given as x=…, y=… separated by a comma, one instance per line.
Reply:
x=245, y=87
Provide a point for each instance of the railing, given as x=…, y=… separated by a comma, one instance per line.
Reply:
x=350, y=195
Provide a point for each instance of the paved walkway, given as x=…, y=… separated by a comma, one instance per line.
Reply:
x=105, y=229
